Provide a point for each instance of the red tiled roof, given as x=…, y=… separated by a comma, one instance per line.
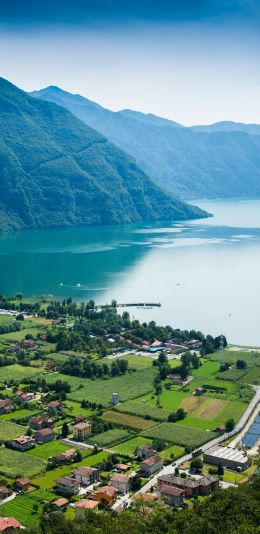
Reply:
x=87, y=504
x=61, y=502
x=8, y=522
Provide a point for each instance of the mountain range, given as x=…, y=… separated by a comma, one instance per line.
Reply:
x=221, y=160
x=56, y=171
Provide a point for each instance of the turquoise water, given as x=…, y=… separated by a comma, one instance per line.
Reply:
x=205, y=273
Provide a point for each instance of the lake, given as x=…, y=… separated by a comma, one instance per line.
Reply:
x=205, y=273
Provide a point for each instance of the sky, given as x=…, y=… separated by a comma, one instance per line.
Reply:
x=193, y=61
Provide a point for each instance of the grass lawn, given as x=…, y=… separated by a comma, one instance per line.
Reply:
x=19, y=415
x=110, y=437
x=143, y=408
x=10, y=431
x=18, y=464
x=53, y=448
x=74, y=408
x=207, y=370
x=179, y=434
x=43, y=495
x=176, y=450
x=129, y=447
x=22, y=509
x=170, y=399
x=17, y=372
x=19, y=336
x=47, y=481
x=129, y=386
x=126, y=420
x=233, y=409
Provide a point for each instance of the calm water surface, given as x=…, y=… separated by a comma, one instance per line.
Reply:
x=206, y=273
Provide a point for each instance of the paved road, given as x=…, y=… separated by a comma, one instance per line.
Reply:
x=81, y=445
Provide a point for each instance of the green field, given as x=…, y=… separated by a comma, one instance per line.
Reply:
x=252, y=377
x=176, y=450
x=134, y=361
x=202, y=424
x=129, y=421
x=74, y=408
x=110, y=437
x=22, y=509
x=252, y=358
x=20, y=335
x=53, y=448
x=234, y=410
x=10, y=431
x=179, y=434
x=144, y=409
x=170, y=399
x=47, y=481
x=207, y=370
x=129, y=447
x=18, y=464
x=128, y=386
x=17, y=372
x=232, y=374
x=19, y=415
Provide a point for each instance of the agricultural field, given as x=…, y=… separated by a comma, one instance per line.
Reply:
x=109, y=438
x=17, y=372
x=53, y=448
x=17, y=464
x=129, y=447
x=203, y=407
x=128, y=386
x=144, y=409
x=73, y=409
x=230, y=355
x=202, y=424
x=129, y=421
x=232, y=374
x=9, y=431
x=234, y=409
x=179, y=434
x=207, y=370
x=22, y=509
x=134, y=361
x=252, y=377
x=174, y=451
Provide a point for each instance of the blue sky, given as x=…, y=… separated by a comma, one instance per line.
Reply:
x=195, y=61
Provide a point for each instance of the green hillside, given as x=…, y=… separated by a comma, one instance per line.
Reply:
x=221, y=160
x=57, y=171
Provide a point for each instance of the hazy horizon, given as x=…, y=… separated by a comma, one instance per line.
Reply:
x=192, y=62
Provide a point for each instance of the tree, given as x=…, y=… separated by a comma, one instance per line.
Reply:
x=19, y=296
x=136, y=483
x=65, y=430
x=162, y=358
x=230, y=425
x=220, y=470
x=172, y=417
x=19, y=317
x=180, y=414
x=158, y=389
x=159, y=444
x=196, y=464
x=241, y=364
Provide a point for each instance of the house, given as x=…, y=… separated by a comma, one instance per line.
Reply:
x=79, y=419
x=151, y=465
x=81, y=506
x=9, y=523
x=192, y=488
x=4, y=492
x=86, y=475
x=171, y=494
x=221, y=429
x=121, y=482
x=144, y=452
x=56, y=406
x=123, y=467
x=199, y=391
x=67, y=485
x=81, y=431
x=44, y=435
x=60, y=504
x=115, y=399
x=41, y=421
x=6, y=406
x=28, y=344
x=66, y=456
x=24, y=443
x=177, y=380
x=22, y=484
x=105, y=495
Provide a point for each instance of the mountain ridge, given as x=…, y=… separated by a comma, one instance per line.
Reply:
x=57, y=171
x=192, y=164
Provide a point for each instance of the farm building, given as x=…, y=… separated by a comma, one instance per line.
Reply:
x=115, y=399
x=227, y=457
